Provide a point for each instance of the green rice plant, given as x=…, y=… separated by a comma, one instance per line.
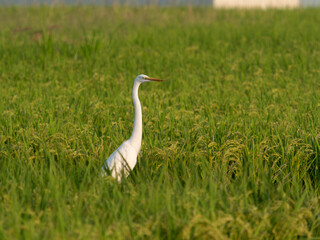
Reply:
x=230, y=144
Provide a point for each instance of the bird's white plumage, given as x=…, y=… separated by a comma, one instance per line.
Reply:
x=121, y=161
x=124, y=159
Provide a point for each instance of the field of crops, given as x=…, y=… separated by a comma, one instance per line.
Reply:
x=231, y=140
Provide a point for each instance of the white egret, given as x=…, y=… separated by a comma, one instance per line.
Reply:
x=124, y=158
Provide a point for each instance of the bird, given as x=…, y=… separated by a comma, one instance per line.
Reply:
x=124, y=158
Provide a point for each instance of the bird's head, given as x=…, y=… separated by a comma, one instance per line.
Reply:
x=144, y=78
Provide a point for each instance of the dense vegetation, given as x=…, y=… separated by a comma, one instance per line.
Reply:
x=231, y=139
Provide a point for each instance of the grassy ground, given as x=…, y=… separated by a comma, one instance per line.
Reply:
x=231, y=141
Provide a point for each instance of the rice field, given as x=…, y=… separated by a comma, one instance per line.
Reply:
x=230, y=145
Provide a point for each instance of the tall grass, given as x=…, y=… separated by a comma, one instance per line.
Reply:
x=231, y=140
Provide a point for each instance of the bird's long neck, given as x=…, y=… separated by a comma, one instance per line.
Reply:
x=136, y=136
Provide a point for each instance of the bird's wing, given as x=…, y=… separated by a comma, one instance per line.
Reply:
x=121, y=160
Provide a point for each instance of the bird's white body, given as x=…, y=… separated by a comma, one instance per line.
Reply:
x=124, y=158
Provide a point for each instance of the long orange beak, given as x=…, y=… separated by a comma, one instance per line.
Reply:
x=154, y=79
